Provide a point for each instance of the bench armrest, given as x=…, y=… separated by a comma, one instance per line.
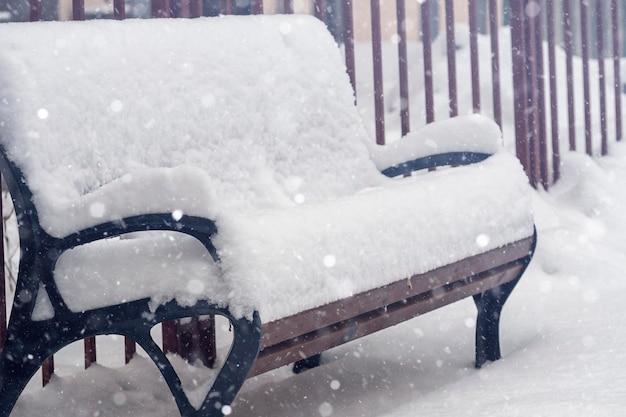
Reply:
x=456, y=141
x=198, y=227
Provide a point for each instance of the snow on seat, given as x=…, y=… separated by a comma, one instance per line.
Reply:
x=249, y=122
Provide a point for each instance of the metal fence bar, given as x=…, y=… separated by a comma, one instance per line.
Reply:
x=196, y=8
x=429, y=95
x=35, y=10
x=318, y=9
x=377, y=62
x=119, y=9
x=540, y=88
x=617, y=84
x=453, y=100
x=257, y=7
x=130, y=348
x=552, y=77
x=47, y=370
x=348, y=42
x=168, y=336
x=601, y=76
x=78, y=9
x=90, y=351
x=3, y=277
x=225, y=7
x=584, y=35
x=532, y=94
x=473, y=29
x=288, y=6
x=403, y=74
x=495, y=62
x=518, y=57
x=161, y=8
x=569, y=69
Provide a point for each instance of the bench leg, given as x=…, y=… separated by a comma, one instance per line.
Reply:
x=246, y=342
x=16, y=370
x=489, y=305
x=307, y=363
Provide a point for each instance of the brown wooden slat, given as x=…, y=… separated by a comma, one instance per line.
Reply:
x=381, y=318
x=310, y=320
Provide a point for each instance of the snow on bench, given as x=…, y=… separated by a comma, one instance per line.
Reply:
x=250, y=124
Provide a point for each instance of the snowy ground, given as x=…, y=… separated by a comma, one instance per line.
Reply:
x=563, y=339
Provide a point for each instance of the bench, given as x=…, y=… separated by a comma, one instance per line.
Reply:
x=168, y=169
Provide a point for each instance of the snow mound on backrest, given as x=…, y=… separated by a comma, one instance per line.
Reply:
x=261, y=104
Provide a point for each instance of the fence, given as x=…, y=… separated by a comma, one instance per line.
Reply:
x=436, y=61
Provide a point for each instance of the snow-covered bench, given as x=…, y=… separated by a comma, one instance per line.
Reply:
x=239, y=138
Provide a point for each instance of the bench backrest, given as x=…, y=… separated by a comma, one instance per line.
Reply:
x=257, y=103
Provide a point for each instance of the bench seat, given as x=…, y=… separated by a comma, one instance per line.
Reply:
x=283, y=261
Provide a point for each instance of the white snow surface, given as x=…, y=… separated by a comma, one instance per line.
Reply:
x=250, y=122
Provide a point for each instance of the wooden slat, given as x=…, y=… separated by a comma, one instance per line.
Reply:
x=310, y=320
x=381, y=318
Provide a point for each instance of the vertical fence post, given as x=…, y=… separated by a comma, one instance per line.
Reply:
x=348, y=42
x=35, y=10
x=453, y=101
x=168, y=334
x=288, y=6
x=225, y=7
x=78, y=9
x=584, y=34
x=554, y=110
x=318, y=9
x=130, y=348
x=601, y=76
x=617, y=83
x=161, y=8
x=379, y=106
x=535, y=13
x=473, y=29
x=195, y=8
x=403, y=67
x=569, y=69
x=47, y=370
x=90, y=351
x=495, y=62
x=520, y=100
x=257, y=6
x=428, y=62
x=119, y=9
x=3, y=292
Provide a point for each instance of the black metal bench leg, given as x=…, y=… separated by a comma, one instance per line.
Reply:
x=489, y=305
x=243, y=353
x=307, y=363
x=16, y=370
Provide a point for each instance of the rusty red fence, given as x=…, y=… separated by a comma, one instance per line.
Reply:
x=551, y=54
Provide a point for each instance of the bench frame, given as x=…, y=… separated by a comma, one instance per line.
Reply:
x=489, y=277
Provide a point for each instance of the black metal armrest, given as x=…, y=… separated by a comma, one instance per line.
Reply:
x=433, y=161
x=198, y=227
